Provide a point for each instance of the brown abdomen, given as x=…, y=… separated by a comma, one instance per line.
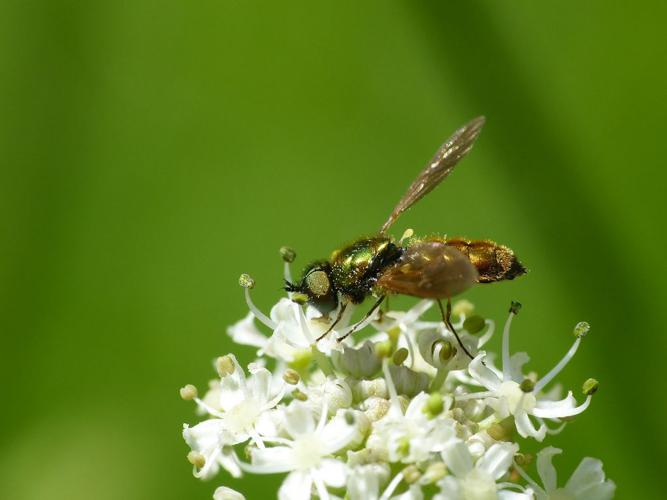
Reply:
x=494, y=262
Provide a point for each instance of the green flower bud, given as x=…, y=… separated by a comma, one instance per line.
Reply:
x=474, y=324
x=411, y=474
x=515, y=307
x=400, y=356
x=503, y=430
x=434, y=405
x=383, y=349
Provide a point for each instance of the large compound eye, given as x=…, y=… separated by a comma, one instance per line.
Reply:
x=318, y=283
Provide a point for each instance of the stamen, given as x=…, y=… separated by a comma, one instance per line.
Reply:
x=392, y=486
x=411, y=348
x=491, y=327
x=324, y=416
x=322, y=491
x=208, y=409
x=557, y=369
x=391, y=388
x=529, y=480
x=305, y=328
x=287, y=273
x=258, y=314
x=514, y=309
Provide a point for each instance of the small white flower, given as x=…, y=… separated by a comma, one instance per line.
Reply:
x=241, y=403
x=586, y=483
x=306, y=455
x=476, y=480
x=507, y=397
x=411, y=436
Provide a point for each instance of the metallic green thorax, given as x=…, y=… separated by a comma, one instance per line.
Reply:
x=355, y=268
x=352, y=272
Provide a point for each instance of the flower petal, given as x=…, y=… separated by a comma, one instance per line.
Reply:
x=482, y=374
x=517, y=360
x=296, y=486
x=497, y=459
x=526, y=428
x=545, y=468
x=588, y=479
x=457, y=458
x=514, y=495
x=562, y=412
x=299, y=419
x=337, y=433
x=332, y=472
x=224, y=493
x=271, y=460
x=364, y=481
x=245, y=332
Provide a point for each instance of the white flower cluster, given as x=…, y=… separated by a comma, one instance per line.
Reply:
x=402, y=414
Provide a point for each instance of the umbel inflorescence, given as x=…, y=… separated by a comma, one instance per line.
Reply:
x=395, y=411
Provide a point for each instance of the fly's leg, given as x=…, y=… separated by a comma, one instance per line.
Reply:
x=368, y=315
x=339, y=316
x=446, y=318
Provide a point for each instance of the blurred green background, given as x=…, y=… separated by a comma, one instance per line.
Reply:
x=152, y=151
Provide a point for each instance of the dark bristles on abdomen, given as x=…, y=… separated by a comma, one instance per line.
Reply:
x=494, y=262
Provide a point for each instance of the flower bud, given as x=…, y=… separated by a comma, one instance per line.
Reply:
x=503, y=430
x=474, y=324
x=408, y=382
x=383, y=349
x=434, y=472
x=400, y=356
x=434, y=405
x=411, y=474
x=360, y=363
x=515, y=307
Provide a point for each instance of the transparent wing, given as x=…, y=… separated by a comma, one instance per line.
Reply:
x=445, y=159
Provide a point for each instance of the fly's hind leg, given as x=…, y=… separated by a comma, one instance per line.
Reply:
x=446, y=318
